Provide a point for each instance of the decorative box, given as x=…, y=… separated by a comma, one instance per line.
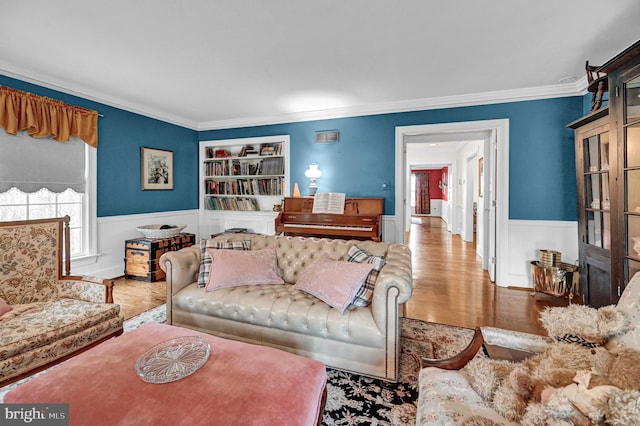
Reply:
x=142, y=255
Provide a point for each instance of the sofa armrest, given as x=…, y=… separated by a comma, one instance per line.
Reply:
x=515, y=340
x=89, y=289
x=394, y=285
x=182, y=268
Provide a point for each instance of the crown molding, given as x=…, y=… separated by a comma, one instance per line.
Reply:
x=83, y=92
x=577, y=88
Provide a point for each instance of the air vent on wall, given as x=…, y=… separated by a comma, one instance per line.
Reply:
x=327, y=136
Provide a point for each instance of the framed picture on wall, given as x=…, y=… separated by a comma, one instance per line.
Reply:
x=156, y=167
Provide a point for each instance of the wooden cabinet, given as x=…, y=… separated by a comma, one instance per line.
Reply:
x=624, y=111
x=142, y=255
x=608, y=184
x=240, y=182
x=594, y=188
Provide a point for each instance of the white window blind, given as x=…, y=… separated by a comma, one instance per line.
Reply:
x=31, y=164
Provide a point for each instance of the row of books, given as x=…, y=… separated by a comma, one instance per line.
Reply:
x=272, y=186
x=264, y=149
x=265, y=166
x=242, y=204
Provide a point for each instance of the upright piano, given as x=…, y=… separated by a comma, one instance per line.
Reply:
x=360, y=220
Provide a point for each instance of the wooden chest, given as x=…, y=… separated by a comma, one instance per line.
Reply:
x=142, y=255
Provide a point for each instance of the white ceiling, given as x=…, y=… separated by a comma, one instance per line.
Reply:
x=208, y=64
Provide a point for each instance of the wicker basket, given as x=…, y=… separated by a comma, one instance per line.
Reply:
x=154, y=231
x=561, y=280
x=550, y=258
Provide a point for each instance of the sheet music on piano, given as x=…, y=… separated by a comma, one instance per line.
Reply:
x=329, y=202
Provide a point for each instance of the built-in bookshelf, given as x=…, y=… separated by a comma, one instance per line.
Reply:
x=247, y=176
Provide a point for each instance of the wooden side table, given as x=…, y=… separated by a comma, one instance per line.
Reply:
x=142, y=255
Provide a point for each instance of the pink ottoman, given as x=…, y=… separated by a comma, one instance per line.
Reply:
x=240, y=384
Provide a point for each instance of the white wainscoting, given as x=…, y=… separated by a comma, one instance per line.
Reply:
x=113, y=231
x=389, y=230
x=525, y=239
x=528, y=237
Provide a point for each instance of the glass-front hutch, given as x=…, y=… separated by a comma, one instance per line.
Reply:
x=594, y=188
x=608, y=183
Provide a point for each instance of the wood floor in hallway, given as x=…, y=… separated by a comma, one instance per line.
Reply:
x=450, y=287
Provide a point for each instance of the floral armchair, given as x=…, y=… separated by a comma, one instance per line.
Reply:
x=47, y=315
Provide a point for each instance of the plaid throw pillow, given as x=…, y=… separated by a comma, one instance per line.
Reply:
x=205, y=257
x=365, y=293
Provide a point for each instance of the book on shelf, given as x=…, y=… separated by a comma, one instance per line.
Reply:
x=272, y=166
x=329, y=202
x=271, y=149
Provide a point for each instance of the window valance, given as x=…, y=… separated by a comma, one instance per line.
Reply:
x=45, y=117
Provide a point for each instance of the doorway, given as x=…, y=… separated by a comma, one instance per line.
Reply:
x=495, y=184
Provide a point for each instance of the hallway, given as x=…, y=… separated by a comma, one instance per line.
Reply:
x=450, y=287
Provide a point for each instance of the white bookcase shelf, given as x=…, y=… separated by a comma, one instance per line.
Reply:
x=241, y=180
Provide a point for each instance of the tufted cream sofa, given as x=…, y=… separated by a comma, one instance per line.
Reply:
x=364, y=340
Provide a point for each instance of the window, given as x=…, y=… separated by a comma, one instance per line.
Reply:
x=19, y=205
x=42, y=178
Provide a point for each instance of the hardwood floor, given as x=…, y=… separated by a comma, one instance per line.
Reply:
x=450, y=287
x=135, y=297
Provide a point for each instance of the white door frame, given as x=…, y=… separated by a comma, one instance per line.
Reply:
x=501, y=128
x=467, y=213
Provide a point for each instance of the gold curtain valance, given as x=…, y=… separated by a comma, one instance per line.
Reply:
x=42, y=117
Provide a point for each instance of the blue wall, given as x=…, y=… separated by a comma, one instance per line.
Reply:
x=120, y=136
x=542, y=184
x=541, y=157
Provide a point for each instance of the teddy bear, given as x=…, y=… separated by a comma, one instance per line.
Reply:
x=512, y=388
x=609, y=393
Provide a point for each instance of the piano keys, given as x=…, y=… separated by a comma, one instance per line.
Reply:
x=361, y=219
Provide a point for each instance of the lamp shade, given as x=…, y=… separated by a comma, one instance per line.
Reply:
x=313, y=172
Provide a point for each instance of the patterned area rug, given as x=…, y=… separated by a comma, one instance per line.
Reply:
x=353, y=399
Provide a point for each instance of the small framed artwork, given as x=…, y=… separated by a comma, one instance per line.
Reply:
x=156, y=168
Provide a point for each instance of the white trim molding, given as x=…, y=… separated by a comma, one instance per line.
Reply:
x=501, y=128
x=577, y=88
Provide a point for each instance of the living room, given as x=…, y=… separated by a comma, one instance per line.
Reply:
x=538, y=209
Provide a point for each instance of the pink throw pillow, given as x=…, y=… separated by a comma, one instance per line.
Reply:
x=232, y=268
x=4, y=307
x=335, y=282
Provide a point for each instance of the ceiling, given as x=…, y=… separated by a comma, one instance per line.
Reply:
x=209, y=64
